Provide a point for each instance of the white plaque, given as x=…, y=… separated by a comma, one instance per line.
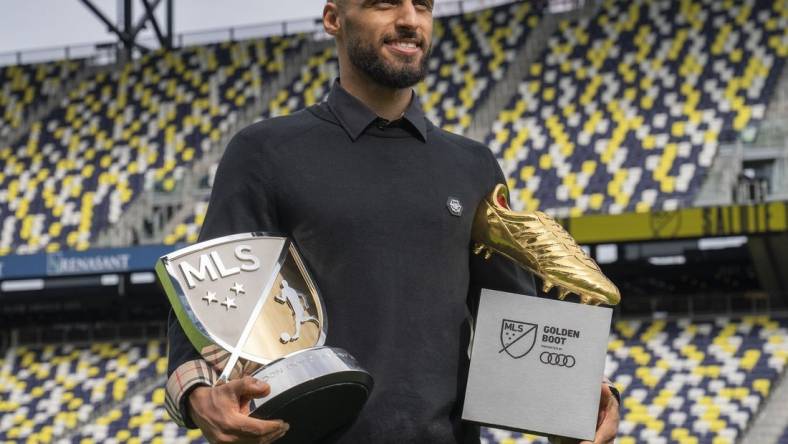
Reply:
x=537, y=365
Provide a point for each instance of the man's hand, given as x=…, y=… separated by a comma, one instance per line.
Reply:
x=606, y=423
x=221, y=412
x=607, y=418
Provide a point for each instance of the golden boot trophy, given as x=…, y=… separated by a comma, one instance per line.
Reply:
x=539, y=244
x=527, y=348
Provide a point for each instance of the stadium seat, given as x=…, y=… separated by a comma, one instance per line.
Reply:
x=189, y=229
x=25, y=88
x=123, y=131
x=47, y=391
x=624, y=111
x=143, y=419
x=704, y=380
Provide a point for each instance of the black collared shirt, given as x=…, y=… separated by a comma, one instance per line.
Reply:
x=355, y=117
x=368, y=204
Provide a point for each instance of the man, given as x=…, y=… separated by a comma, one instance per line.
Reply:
x=380, y=203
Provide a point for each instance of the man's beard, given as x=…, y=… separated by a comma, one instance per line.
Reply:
x=365, y=58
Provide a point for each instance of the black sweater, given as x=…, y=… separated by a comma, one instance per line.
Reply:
x=367, y=203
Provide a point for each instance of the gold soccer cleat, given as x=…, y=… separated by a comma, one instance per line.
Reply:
x=540, y=244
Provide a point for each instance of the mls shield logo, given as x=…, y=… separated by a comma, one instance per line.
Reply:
x=517, y=338
x=249, y=294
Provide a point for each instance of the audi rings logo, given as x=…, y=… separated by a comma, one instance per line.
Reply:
x=557, y=359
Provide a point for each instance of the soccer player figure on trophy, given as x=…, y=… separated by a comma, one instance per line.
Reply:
x=299, y=305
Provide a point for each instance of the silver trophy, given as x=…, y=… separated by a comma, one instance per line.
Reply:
x=249, y=306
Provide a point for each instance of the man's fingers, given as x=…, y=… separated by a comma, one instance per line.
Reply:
x=253, y=427
x=606, y=432
x=613, y=408
x=604, y=404
x=607, y=418
x=277, y=436
x=607, y=396
x=248, y=388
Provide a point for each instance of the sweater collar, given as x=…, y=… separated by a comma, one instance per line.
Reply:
x=354, y=116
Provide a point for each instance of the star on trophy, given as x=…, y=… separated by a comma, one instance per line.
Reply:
x=249, y=306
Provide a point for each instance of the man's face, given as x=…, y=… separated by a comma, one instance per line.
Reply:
x=389, y=40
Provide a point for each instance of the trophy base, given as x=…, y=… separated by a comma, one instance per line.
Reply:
x=316, y=391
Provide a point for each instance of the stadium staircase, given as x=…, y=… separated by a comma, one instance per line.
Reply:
x=772, y=421
x=778, y=107
x=773, y=133
x=768, y=143
x=721, y=177
x=503, y=91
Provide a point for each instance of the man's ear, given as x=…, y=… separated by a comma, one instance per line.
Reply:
x=331, y=18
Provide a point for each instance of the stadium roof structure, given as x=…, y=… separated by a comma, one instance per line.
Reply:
x=129, y=32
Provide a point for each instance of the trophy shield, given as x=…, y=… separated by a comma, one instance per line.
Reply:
x=250, y=307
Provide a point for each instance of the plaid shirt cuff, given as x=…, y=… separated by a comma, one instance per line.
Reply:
x=189, y=375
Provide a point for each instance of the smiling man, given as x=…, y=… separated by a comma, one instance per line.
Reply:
x=380, y=203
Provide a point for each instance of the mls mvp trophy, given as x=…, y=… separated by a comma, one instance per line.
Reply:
x=249, y=306
x=537, y=363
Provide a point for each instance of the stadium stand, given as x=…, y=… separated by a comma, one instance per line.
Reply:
x=25, y=88
x=309, y=88
x=624, y=111
x=689, y=382
x=143, y=420
x=47, y=391
x=682, y=381
x=122, y=131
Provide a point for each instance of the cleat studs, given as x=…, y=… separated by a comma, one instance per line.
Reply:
x=563, y=293
x=547, y=286
x=480, y=248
